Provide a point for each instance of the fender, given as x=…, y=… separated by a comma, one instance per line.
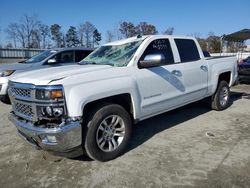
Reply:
x=80, y=95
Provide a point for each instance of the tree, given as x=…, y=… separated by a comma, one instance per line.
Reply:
x=203, y=43
x=86, y=32
x=109, y=36
x=9, y=45
x=11, y=32
x=169, y=31
x=144, y=28
x=16, y=33
x=127, y=29
x=97, y=37
x=0, y=37
x=71, y=37
x=30, y=25
x=35, y=39
x=22, y=32
x=213, y=41
x=57, y=35
x=45, y=35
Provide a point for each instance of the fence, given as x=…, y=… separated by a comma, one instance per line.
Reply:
x=18, y=53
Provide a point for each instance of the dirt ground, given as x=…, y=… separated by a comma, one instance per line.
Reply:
x=188, y=147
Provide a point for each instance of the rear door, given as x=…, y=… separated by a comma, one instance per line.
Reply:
x=193, y=68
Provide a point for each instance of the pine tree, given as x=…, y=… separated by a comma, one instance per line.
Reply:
x=57, y=35
x=71, y=37
x=97, y=37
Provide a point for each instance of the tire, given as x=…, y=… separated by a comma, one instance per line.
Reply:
x=108, y=131
x=220, y=100
x=5, y=100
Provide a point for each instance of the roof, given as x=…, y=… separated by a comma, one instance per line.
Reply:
x=75, y=48
x=139, y=38
x=127, y=40
x=239, y=36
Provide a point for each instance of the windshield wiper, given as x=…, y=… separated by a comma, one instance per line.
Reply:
x=87, y=63
x=107, y=64
x=22, y=61
x=93, y=63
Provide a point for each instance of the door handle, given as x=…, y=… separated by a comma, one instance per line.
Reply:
x=204, y=68
x=176, y=73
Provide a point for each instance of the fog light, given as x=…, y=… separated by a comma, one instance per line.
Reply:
x=57, y=112
x=48, y=139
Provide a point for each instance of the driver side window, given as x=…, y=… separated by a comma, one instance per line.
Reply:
x=159, y=47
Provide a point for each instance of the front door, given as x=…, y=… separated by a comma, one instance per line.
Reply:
x=160, y=87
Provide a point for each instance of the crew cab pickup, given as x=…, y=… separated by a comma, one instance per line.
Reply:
x=90, y=107
x=45, y=59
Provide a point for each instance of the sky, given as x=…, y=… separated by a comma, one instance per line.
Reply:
x=186, y=16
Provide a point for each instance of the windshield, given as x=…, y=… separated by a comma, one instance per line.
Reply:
x=39, y=57
x=114, y=55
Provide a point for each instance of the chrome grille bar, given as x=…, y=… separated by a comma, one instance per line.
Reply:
x=20, y=95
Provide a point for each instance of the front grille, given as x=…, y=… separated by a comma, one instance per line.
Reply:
x=23, y=110
x=20, y=92
x=26, y=105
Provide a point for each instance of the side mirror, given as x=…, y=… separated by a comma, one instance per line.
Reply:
x=152, y=60
x=52, y=61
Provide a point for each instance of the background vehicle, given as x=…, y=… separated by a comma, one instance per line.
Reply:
x=244, y=70
x=45, y=59
x=91, y=106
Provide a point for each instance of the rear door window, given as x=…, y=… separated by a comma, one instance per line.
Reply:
x=81, y=54
x=187, y=50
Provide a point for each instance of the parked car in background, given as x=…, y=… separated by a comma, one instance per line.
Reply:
x=244, y=70
x=45, y=59
x=91, y=106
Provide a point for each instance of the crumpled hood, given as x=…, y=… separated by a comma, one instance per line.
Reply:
x=15, y=66
x=47, y=75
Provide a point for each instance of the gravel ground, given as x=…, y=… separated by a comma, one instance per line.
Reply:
x=188, y=147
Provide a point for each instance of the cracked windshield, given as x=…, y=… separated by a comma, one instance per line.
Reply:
x=114, y=55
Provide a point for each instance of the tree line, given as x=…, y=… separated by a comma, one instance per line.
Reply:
x=30, y=32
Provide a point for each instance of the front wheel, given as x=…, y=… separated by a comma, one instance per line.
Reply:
x=220, y=100
x=108, y=132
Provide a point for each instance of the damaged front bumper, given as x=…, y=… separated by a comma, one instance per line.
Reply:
x=64, y=140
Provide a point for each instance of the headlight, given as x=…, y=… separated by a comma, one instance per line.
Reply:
x=52, y=102
x=6, y=73
x=42, y=94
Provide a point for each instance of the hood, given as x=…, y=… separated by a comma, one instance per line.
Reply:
x=47, y=75
x=15, y=66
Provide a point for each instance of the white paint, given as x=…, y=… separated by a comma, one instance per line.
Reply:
x=153, y=91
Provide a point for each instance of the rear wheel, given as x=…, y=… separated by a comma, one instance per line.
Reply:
x=220, y=100
x=108, y=132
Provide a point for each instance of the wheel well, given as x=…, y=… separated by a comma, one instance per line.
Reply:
x=122, y=99
x=226, y=76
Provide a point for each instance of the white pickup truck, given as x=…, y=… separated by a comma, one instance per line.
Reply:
x=91, y=107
